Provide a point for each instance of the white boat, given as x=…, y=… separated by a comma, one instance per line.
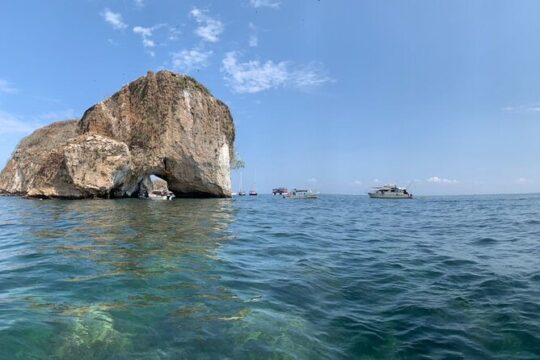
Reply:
x=301, y=194
x=390, y=191
x=161, y=195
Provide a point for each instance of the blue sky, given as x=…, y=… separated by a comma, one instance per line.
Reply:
x=335, y=95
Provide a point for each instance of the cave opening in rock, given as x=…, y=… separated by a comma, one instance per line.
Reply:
x=152, y=183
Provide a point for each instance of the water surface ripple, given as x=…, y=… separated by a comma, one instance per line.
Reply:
x=342, y=277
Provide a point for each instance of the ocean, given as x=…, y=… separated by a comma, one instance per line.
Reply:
x=341, y=277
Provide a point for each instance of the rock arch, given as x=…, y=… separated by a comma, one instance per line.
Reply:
x=165, y=124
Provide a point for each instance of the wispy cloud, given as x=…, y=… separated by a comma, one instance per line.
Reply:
x=161, y=32
x=265, y=3
x=47, y=99
x=523, y=180
x=534, y=107
x=209, y=28
x=7, y=88
x=146, y=35
x=253, y=40
x=187, y=60
x=253, y=37
x=12, y=124
x=58, y=115
x=254, y=76
x=439, y=180
x=16, y=124
x=312, y=180
x=114, y=19
x=309, y=76
x=357, y=182
x=139, y=3
x=174, y=33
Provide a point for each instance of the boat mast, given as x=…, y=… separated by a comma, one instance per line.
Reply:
x=254, y=178
x=241, y=181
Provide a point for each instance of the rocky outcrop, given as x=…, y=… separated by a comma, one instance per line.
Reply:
x=162, y=124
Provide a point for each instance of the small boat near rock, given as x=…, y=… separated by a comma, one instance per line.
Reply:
x=161, y=195
x=390, y=191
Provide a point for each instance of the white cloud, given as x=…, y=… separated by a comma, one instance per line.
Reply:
x=439, y=180
x=265, y=3
x=12, y=124
x=139, y=3
x=209, y=28
x=376, y=181
x=534, y=107
x=146, y=35
x=357, y=182
x=187, y=60
x=255, y=76
x=523, y=180
x=114, y=19
x=7, y=88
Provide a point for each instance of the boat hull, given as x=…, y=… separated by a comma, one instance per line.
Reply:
x=161, y=198
x=390, y=196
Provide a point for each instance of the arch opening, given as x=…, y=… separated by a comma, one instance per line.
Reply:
x=152, y=185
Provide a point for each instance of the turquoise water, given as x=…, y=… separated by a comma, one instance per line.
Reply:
x=268, y=278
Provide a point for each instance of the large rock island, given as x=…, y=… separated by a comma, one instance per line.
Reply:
x=162, y=124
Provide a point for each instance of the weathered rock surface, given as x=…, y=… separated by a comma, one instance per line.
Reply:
x=162, y=124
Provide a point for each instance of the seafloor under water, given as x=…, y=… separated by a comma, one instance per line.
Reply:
x=257, y=278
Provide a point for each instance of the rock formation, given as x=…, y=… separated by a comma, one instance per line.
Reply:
x=162, y=124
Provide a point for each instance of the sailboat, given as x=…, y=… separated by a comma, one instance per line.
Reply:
x=241, y=192
x=253, y=192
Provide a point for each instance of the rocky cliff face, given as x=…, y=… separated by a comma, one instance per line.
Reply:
x=162, y=124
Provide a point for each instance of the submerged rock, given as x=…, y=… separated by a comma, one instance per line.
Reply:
x=92, y=336
x=162, y=124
